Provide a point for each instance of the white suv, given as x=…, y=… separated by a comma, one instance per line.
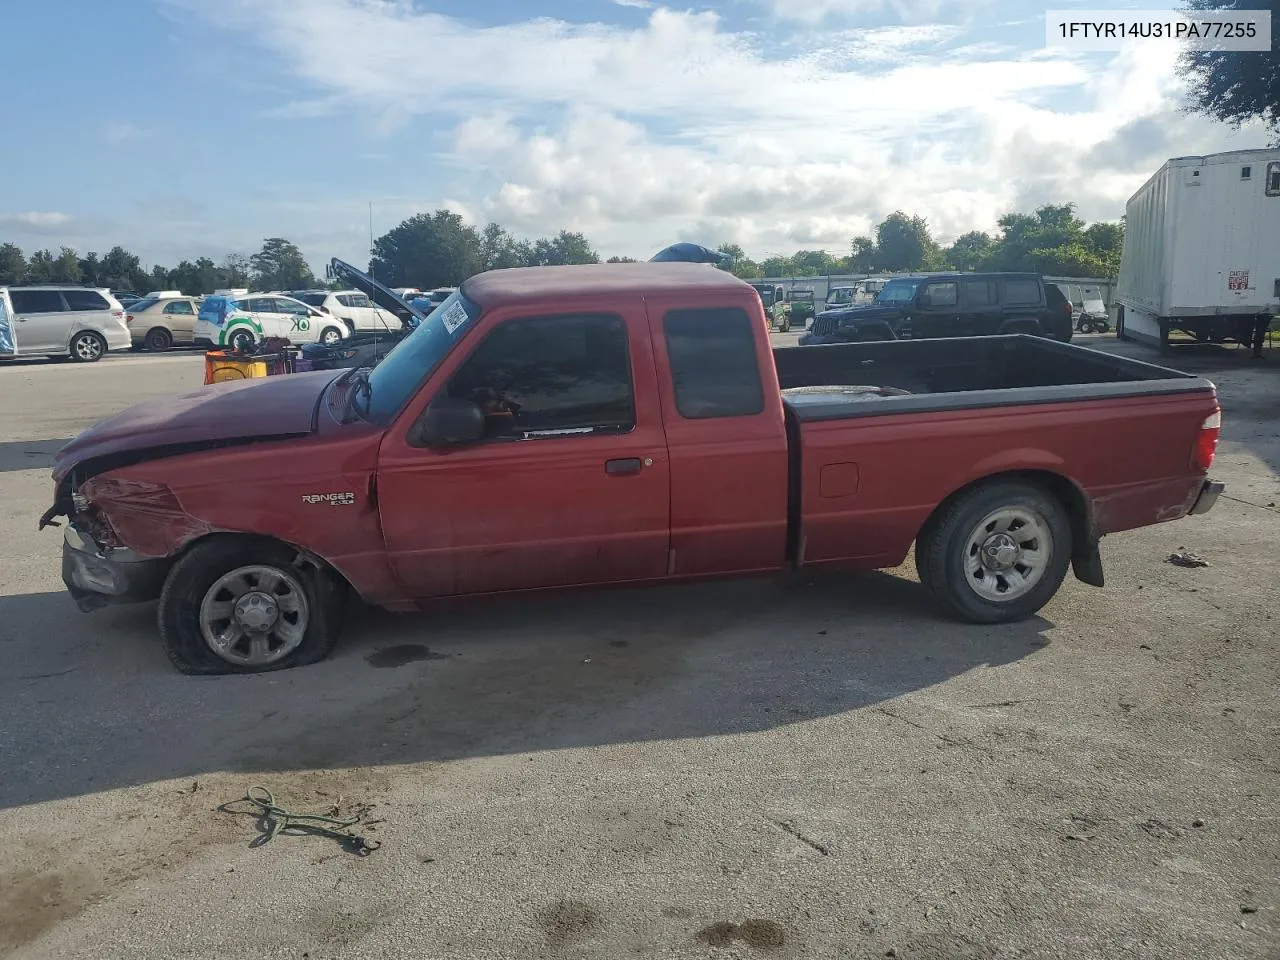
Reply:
x=352, y=307
x=82, y=323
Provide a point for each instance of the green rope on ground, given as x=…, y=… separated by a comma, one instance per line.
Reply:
x=277, y=820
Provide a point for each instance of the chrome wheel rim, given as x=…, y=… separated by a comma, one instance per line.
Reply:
x=241, y=341
x=254, y=616
x=1007, y=554
x=87, y=347
x=330, y=337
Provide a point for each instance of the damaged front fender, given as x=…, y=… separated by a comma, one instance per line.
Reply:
x=143, y=515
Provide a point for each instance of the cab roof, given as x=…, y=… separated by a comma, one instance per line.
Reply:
x=499, y=287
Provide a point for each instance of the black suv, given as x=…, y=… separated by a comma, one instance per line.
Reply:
x=950, y=305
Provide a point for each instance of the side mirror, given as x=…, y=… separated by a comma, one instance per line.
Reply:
x=448, y=421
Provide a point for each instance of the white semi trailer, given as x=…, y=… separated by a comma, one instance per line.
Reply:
x=1202, y=251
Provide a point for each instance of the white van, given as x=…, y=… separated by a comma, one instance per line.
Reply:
x=82, y=323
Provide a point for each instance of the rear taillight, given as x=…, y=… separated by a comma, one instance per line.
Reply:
x=1207, y=443
x=128, y=319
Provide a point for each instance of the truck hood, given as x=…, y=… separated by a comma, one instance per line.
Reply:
x=383, y=296
x=219, y=415
x=870, y=311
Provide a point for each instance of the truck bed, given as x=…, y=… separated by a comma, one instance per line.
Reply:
x=959, y=374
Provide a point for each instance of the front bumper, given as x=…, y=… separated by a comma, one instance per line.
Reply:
x=1210, y=490
x=97, y=576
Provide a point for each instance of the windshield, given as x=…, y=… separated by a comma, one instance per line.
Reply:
x=766, y=295
x=898, y=291
x=394, y=380
x=137, y=306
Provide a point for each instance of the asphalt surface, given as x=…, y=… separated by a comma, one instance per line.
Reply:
x=816, y=768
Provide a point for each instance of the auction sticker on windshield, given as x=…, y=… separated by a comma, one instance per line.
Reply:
x=454, y=316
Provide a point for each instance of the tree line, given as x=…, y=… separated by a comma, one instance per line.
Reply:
x=439, y=249
x=279, y=265
x=1052, y=241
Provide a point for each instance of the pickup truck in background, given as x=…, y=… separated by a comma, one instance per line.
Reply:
x=950, y=305
x=548, y=428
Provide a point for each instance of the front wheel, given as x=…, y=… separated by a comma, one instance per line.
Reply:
x=247, y=606
x=998, y=554
x=330, y=336
x=88, y=347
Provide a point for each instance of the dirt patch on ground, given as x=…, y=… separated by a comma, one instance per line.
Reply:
x=760, y=934
x=56, y=871
x=566, y=921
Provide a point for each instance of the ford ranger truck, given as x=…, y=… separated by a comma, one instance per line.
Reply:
x=561, y=427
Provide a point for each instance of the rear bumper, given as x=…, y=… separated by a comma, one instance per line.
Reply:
x=1210, y=490
x=97, y=576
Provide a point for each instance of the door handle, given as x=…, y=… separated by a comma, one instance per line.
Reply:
x=623, y=468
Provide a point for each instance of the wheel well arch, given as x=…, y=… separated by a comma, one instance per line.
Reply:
x=1063, y=489
x=306, y=558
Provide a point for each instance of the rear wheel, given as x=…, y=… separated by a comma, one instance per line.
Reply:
x=241, y=341
x=997, y=554
x=88, y=347
x=247, y=606
x=330, y=335
x=158, y=340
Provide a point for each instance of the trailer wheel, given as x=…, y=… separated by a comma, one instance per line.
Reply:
x=997, y=553
x=246, y=605
x=1120, y=323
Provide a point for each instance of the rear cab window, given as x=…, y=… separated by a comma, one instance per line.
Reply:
x=715, y=371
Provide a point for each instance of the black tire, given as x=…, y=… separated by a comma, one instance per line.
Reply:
x=786, y=325
x=158, y=340
x=330, y=335
x=943, y=552
x=241, y=341
x=1120, y=323
x=193, y=576
x=87, y=347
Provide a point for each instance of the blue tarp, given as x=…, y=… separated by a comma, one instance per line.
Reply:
x=6, y=331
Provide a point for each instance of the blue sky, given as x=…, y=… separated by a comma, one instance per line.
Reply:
x=187, y=127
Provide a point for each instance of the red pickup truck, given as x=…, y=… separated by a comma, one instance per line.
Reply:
x=569, y=426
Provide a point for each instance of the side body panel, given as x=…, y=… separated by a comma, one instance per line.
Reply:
x=869, y=484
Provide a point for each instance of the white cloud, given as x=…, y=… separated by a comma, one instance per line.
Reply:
x=682, y=128
x=118, y=133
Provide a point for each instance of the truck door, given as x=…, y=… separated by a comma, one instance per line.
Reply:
x=938, y=314
x=727, y=443
x=980, y=314
x=570, y=484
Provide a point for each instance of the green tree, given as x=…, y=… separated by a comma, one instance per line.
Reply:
x=280, y=265
x=777, y=267
x=862, y=258
x=235, y=271
x=157, y=279
x=13, y=265
x=1107, y=241
x=903, y=242
x=1072, y=260
x=814, y=263
x=203, y=276
x=969, y=252
x=622, y=260
x=1236, y=86
x=739, y=264
x=499, y=250
x=66, y=267
x=428, y=250
x=91, y=270
x=40, y=267
x=563, y=249
x=121, y=270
